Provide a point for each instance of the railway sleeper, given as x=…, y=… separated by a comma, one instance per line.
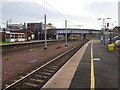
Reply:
x=46, y=73
x=48, y=70
x=40, y=76
x=37, y=80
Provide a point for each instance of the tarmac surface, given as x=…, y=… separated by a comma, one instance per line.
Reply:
x=104, y=71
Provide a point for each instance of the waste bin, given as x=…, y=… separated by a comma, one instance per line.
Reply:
x=111, y=47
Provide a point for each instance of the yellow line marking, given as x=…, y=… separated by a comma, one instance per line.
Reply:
x=92, y=84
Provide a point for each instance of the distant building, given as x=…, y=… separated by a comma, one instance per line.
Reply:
x=29, y=31
x=15, y=27
x=13, y=33
x=12, y=36
x=37, y=30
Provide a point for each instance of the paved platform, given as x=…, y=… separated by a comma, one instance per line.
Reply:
x=92, y=66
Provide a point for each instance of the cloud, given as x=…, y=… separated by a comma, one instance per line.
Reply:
x=102, y=9
x=78, y=11
x=25, y=11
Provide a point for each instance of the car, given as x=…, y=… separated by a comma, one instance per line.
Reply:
x=117, y=43
x=116, y=38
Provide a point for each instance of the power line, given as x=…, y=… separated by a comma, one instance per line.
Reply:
x=58, y=12
x=26, y=10
x=53, y=8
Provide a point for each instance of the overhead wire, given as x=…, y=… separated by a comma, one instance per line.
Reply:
x=50, y=12
x=58, y=11
x=42, y=11
x=63, y=10
x=53, y=8
x=27, y=10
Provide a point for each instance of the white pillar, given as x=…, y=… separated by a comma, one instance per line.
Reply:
x=66, y=33
x=56, y=36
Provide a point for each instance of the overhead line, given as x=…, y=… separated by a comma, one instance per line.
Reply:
x=57, y=11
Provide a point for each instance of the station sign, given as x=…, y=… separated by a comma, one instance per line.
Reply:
x=7, y=32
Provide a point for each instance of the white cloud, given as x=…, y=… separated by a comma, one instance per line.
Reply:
x=77, y=11
x=16, y=1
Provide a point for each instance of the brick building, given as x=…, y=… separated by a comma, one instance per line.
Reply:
x=37, y=30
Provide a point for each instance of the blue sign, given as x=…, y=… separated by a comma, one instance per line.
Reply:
x=29, y=28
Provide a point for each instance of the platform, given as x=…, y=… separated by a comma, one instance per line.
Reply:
x=92, y=66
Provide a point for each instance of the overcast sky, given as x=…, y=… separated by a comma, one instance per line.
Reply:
x=76, y=12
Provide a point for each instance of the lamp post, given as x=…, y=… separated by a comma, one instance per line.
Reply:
x=66, y=33
x=7, y=22
x=45, y=33
x=103, y=37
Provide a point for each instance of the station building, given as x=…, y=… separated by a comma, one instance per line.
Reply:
x=13, y=33
x=36, y=31
x=19, y=32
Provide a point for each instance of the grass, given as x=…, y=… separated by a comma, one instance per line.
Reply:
x=6, y=42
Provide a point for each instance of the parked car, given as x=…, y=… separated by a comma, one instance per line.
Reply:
x=117, y=43
x=116, y=40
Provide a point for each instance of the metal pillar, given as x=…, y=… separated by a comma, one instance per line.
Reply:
x=66, y=33
x=45, y=33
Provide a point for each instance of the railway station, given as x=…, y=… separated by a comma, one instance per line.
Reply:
x=67, y=50
x=82, y=64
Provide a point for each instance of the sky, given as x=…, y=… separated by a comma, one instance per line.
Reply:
x=78, y=13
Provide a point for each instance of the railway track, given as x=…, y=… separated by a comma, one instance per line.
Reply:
x=26, y=45
x=39, y=77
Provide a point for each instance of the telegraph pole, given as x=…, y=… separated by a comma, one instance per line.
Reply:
x=45, y=32
x=66, y=33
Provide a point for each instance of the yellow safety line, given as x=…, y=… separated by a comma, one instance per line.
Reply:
x=92, y=84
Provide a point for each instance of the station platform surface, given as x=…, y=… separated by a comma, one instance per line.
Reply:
x=78, y=71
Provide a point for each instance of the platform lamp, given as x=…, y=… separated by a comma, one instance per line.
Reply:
x=103, y=30
x=66, y=33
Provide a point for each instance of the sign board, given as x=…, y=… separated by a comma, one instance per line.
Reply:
x=7, y=31
x=15, y=26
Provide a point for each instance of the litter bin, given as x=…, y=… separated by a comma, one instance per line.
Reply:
x=111, y=47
